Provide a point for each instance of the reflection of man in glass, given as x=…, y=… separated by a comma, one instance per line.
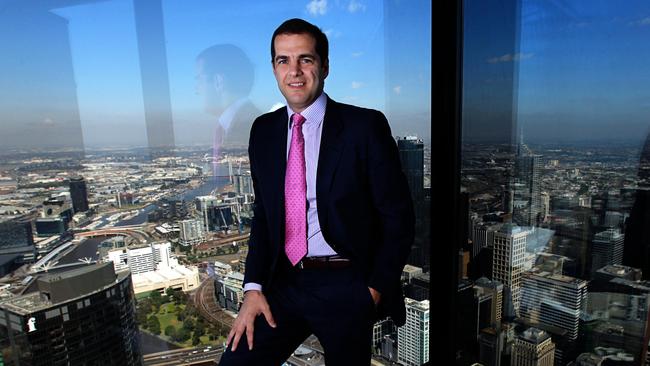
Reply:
x=225, y=77
x=333, y=219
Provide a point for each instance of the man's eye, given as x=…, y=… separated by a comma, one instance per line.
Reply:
x=281, y=61
x=306, y=60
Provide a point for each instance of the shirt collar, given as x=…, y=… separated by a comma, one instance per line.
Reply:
x=313, y=114
x=229, y=114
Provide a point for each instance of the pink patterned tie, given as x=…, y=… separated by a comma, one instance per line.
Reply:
x=295, y=195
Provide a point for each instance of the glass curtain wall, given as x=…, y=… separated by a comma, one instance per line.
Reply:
x=555, y=261
x=123, y=138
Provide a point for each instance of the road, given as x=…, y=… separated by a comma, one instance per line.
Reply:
x=185, y=356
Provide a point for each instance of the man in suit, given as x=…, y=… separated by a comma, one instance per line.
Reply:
x=333, y=218
x=225, y=78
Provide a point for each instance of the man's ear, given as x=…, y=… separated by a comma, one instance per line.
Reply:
x=218, y=82
x=326, y=68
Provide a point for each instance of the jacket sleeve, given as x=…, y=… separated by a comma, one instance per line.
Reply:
x=258, y=242
x=391, y=199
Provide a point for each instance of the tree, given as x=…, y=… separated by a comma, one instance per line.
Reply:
x=182, y=335
x=196, y=339
x=153, y=324
x=156, y=299
x=199, y=328
x=188, y=324
x=170, y=331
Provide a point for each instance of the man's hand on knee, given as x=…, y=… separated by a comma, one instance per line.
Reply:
x=254, y=304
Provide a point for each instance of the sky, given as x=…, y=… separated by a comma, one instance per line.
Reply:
x=98, y=64
x=557, y=71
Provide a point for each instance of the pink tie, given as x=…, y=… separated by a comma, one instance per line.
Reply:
x=295, y=195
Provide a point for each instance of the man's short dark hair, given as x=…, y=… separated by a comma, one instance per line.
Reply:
x=233, y=63
x=299, y=26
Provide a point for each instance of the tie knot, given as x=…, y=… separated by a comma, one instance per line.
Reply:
x=297, y=119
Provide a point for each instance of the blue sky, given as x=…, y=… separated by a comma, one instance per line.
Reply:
x=104, y=54
x=570, y=70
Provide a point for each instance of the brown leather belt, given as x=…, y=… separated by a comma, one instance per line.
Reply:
x=333, y=261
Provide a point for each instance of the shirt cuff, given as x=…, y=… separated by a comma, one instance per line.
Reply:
x=252, y=286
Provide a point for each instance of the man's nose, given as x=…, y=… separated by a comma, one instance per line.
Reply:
x=295, y=68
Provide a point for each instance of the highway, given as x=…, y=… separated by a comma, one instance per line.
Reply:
x=185, y=356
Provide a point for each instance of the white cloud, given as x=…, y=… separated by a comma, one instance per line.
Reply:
x=331, y=33
x=398, y=89
x=356, y=84
x=508, y=57
x=48, y=121
x=317, y=7
x=276, y=106
x=642, y=22
x=355, y=6
x=357, y=54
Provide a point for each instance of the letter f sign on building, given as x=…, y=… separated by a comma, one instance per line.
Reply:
x=31, y=324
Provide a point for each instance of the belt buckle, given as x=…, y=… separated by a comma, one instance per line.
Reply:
x=301, y=264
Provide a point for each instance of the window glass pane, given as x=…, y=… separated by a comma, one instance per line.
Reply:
x=554, y=141
x=124, y=129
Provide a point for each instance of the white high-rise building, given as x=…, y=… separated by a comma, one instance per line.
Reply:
x=413, y=337
x=191, y=232
x=140, y=259
x=508, y=260
x=553, y=299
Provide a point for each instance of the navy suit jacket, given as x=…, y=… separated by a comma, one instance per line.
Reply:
x=364, y=204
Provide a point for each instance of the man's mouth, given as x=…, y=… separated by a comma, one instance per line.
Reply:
x=296, y=85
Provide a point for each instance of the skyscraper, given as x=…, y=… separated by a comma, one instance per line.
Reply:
x=553, y=299
x=607, y=249
x=508, y=260
x=83, y=316
x=16, y=239
x=411, y=153
x=533, y=348
x=527, y=205
x=192, y=232
x=79, y=194
x=413, y=337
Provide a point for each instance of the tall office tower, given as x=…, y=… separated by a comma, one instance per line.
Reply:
x=413, y=337
x=483, y=236
x=243, y=184
x=411, y=152
x=508, y=261
x=191, y=232
x=533, y=348
x=553, y=299
x=607, y=249
x=637, y=232
x=491, y=344
x=82, y=316
x=16, y=244
x=545, y=201
x=203, y=205
x=382, y=329
x=493, y=289
x=79, y=194
x=527, y=208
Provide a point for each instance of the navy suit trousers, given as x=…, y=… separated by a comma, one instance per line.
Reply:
x=333, y=304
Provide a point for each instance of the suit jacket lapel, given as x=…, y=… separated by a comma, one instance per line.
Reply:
x=279, y=152
x=331, y=146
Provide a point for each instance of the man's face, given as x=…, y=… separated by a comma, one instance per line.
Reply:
x=298, y=69
x=210, y=88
